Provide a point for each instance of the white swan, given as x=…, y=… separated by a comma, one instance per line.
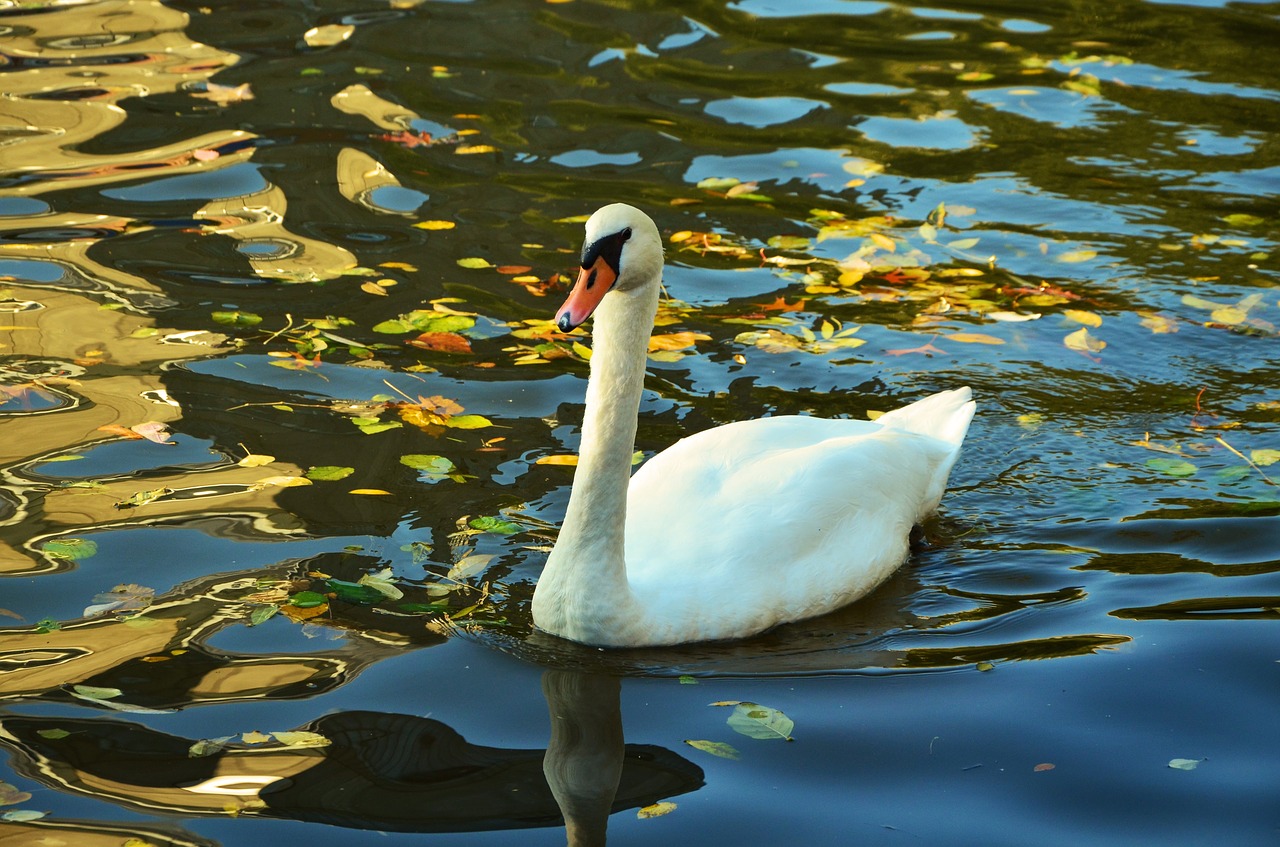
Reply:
x=738, y=528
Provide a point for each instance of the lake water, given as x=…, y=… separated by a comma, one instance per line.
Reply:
x=321, y=243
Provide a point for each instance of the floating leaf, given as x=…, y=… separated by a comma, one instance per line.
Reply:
x=474, y=262
x=301, y=739
x=255, y=737
x=244, y=319
x=1011, y=317
x=1075, y=256
x=685, y=679
x=469, y=566
x=74, y=549
x=756, y=721
x=974, y=338
x=442, y=342
x=329, y=473
x=1185, y=764
x=569, y=460
x=428, y=462
x=496, y=525
x=262, y=614
x=369, y=491
x=307, y=599
x=381, y=582
x=1262, y=458
x=435, y=225
x=1082, y=317
x=11, y=794
x=467, y=422
x=1158, y=323
x=208, y=747
x=22, y=815
x=1171, y=467
x=715, y=748
x=328, y=35
x=1240, y=219
x=52, y=734
x=225, y=95
x=1082, y=341
x=656, y=810
x=1044, y=766
x=255, y=460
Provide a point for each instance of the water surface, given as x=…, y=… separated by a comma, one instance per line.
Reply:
x=316, y=241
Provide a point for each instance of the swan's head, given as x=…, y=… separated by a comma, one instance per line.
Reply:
x=622, y=252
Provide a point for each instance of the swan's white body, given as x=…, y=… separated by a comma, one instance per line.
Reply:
x=736, y=529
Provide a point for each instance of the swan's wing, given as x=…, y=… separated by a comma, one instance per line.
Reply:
x=791, y=515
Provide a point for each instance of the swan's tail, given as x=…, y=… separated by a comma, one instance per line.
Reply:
x=945, y=416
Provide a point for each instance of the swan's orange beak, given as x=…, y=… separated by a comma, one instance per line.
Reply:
x=593, y=283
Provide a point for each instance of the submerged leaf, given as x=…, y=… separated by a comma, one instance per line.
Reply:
x=1172, y=467
x=1185, y=764
x=715, y=748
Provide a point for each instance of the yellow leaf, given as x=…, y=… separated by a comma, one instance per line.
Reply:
x=657, y=810
x=682, y=235
x=974, y=338
x=255, y=460
x=370, y=491
x=557, y=460
x=405, y=266
x=676, y=341
x=471, y=149
x=1082, y=317
x=435, y=225
x=884, y=242
x=1158, y=323
x=373, y=288
x=255, y=737
x=1074, y=256
x=328, y=35
x=474, y=262
x=1229, y=315
x=1082, y=341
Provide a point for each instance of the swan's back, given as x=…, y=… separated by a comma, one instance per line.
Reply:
x=748, y=525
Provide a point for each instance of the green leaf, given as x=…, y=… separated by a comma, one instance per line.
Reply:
x=718, y=183
x=468, y=422
x=763, y=722
x=354, y=592
x=715, y=748
x=262, y=614
x=496, y=525
x=789, y=242
x=308, y=599
x=96, y=692
x=685, y=679
x=52, y=734
x=428, y=462
x=392, y=327
x=237, y=318
x=1172, y=467
x=328, y=473
x=1241, y=219
x=75, y=549
x=1262, y=458
x=372, y=426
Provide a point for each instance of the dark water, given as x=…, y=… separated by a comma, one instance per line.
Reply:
x=1070, y=207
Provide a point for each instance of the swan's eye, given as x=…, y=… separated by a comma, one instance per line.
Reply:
x=625, y=234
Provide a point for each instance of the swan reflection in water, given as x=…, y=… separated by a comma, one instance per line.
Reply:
x=378, y=771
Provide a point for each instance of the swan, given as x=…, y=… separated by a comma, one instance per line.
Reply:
x=738, y=528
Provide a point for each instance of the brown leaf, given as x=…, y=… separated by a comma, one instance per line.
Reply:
x=512, y=270
x=443, y=342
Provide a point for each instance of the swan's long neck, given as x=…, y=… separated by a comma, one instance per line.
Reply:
x=583, y=592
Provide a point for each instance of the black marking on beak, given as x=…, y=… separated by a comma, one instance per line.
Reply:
x=565, y=324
